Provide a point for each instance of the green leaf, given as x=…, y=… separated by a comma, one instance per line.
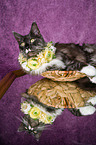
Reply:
x=34, y=64
x=23, y=61
x=54, y=56
x=34, y=59
x=31, y=105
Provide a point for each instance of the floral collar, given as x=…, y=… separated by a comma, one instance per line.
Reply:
x=34, y=63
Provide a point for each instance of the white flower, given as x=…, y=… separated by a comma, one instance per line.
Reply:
x=24, y=65
x=53, y=48
x=43, y=60
x=25, y=107
x=21, y=58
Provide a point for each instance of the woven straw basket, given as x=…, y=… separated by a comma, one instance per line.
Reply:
x=60, y=94
x=63, y=75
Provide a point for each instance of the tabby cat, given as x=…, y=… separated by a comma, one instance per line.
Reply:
x=68, y=56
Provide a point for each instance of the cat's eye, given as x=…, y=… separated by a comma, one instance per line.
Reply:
x=32, y=40
x=23, y=44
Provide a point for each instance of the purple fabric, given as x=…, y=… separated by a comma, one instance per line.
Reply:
x=59, y=21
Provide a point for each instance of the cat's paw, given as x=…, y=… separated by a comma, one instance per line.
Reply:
x=92, y=100
x=87, y=110
x=89, y=70
x=93, y=80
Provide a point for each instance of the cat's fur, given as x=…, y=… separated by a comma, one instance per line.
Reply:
x=68, y=56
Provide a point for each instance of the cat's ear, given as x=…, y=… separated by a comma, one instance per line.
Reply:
x=17, y=36
x=34, y=29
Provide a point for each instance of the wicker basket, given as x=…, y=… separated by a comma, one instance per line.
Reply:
x=60, y=94
x=63, y=75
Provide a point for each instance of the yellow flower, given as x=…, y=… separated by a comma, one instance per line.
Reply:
x=49, y=44
x=49, y=119
x=41, y=58
x=48, y=54
x=25, y=107
x=33, y=64
x=34, y=113
x=45, y=118
x=21, y=58
x=42, y=117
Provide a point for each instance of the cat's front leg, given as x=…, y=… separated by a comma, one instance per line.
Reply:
x=83, y=111
x=92, y=100
x=87, y=110
x=93, y=79
x=89, y=70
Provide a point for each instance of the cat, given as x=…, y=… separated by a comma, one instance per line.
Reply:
x=68, y=57
x=35, y=127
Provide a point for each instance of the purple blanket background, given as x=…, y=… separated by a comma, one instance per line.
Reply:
x=59, y=21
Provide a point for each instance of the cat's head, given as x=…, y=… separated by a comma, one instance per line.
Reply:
x=36, y=56
x=30, y=45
